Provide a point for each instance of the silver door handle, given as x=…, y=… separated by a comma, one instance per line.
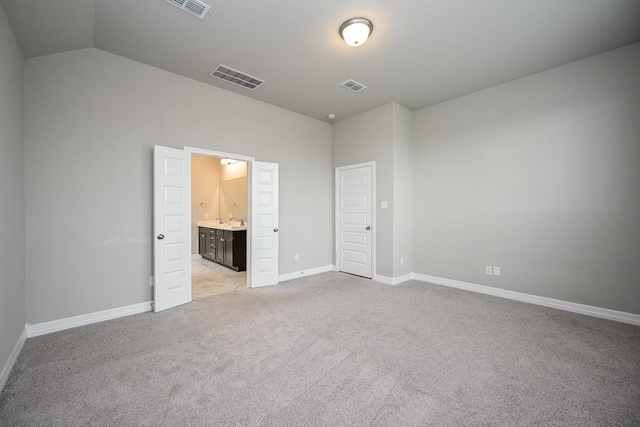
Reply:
x=368, y=228
x=160, y=236
x=275, y=230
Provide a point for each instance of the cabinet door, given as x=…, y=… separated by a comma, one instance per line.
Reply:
x=220, y=243
x=228, y=248
x=213, y=244
x=240, y=250
x=202, y=243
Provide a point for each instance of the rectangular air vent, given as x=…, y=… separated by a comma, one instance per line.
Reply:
x=353, y=85
x=237, y=77
x=194, y=7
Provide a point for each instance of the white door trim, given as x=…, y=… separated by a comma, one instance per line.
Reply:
x=249, y=160
x=336, y=212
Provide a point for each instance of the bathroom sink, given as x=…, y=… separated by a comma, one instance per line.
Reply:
x=217, y=225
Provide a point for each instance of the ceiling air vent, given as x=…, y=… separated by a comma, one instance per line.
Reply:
x=237, y=77
x=353, y=85
x=194, y=7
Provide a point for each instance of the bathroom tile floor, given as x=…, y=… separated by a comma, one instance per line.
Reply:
x=209, y=278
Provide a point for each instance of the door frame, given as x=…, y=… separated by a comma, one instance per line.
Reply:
x=336, y=212
x=249, y=160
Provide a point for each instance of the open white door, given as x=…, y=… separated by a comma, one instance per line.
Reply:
x=171, y=227
x=264, y=226
x=354, y=202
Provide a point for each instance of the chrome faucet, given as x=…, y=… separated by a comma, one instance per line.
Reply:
x=233, y=219
x=221, y=220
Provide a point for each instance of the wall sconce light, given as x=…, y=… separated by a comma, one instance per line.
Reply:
x=356, y=31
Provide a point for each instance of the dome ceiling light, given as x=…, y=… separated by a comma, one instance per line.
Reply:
x=356, y=31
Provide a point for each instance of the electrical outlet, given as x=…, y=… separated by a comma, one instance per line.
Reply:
x=488, y=270
x=206, y=216
x=384, y=204
x=151, y=281
x=297, y=257
x=401, y=261
x=496, y=271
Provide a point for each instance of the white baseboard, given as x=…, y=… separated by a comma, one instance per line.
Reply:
x=303, y=273
x=392, y=280
x=604, y=313
x=85, y=319
x=8, y=366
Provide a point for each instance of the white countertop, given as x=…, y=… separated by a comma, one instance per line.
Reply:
x=218, y=226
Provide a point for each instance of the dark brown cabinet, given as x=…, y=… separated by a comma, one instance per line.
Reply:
x=225, y=247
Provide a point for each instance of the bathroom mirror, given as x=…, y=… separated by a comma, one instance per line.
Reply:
x=233, y=198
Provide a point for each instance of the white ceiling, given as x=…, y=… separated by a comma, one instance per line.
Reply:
x=421, y=52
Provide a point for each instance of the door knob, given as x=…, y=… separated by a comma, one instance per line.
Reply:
x=160, y=236
x=368, y=228
x=275, y=230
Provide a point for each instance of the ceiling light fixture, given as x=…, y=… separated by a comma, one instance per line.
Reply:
x=356, y=31
x=228, y=161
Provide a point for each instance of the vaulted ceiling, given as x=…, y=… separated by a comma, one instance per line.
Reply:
x=421, y=52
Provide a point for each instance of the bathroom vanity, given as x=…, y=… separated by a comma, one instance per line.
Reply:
x=224, y=244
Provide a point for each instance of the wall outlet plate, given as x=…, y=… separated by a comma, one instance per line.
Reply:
x=496, y=271
x=488, y=270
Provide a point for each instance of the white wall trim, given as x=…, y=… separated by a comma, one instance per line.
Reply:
x=214, y=153
x=86, y=319
x=8, y=366
x=604, y=313
x=393, y=280
x=303, y=273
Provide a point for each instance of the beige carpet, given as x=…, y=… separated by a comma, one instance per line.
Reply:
x=333, y=350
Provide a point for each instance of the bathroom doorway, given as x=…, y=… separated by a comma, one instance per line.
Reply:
x=172, y=224
x=219, y=214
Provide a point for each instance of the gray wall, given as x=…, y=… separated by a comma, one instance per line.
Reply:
x=402, y=190
x=384, y=135
x=12, y=256
x=364, y=138
x=541, y=177
x=92, y=119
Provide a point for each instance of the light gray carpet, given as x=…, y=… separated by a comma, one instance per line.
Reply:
x=333, y=350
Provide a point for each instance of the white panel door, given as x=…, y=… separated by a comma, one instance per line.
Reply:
x=264, y=218
x=171, y=227
x=355, y=223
